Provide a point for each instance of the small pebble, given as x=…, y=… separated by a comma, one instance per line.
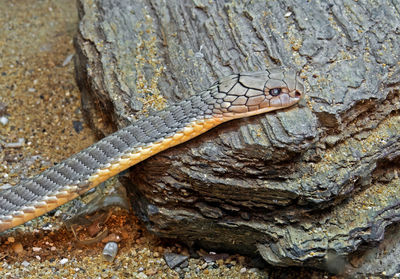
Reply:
x=67, y=60
x=36, y=249
x=243, y=270
x=184, y=264
x=160, y=249
x=3, y=108
x=63, y=261
x=58, y=213
x=20, y=143
x=3, y=120
x=11, y=239
x=213, y=257
x=78, y=126
x=25, y=263
x=150, y=272
x=253, y=270
x=18, y=248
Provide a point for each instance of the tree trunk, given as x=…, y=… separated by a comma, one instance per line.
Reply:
x=312, y=185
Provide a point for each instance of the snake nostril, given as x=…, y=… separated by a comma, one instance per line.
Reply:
x=297, y=94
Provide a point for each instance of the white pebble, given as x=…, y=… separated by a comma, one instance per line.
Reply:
x=288, y=14
x=63, y=261
x=20, y=143
x=36, y=249
x=25, y=263
x=67, y=60
x=243, y=270
x=4, y=120
x=58, y=213
x=110, y=251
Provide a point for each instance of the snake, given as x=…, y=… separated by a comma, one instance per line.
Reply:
x=234, y=96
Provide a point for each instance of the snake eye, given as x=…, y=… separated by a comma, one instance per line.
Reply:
x=275, y=91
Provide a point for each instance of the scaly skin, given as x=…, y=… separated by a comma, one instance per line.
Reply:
x=234, y=96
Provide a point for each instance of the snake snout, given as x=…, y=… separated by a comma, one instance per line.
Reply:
x=294, y=96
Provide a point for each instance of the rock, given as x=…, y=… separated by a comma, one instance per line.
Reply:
x=308, y=186
x=78, y=126
x=110, y=251
x=381, y=259
x=173, y=260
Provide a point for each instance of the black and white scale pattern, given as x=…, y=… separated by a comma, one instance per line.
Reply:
x=76, y=170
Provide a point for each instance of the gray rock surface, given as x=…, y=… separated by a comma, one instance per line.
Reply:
x=309, y=186
x=173, y=260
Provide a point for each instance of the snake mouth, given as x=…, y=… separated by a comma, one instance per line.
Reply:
x=283, y=100
x=294, y=97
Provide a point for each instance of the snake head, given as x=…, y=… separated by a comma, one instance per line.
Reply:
x=253, y=93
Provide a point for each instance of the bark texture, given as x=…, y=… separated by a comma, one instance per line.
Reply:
x=315, y=185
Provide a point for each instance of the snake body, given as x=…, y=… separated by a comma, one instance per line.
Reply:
x=234, y=96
